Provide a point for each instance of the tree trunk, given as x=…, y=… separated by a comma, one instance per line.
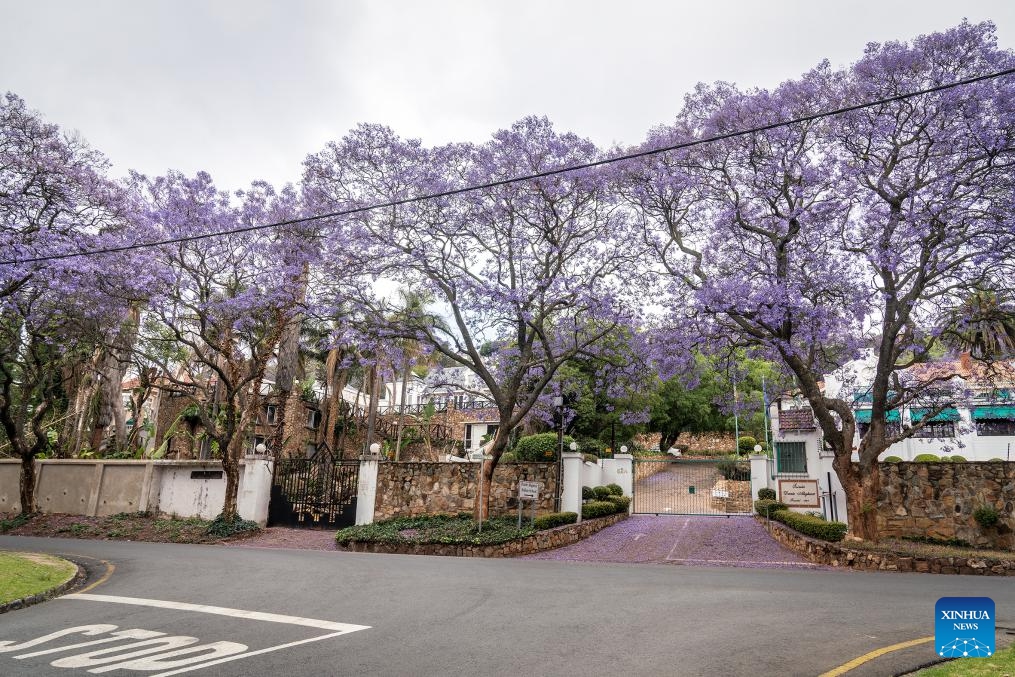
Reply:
x=372, y=411
x=863, y=488
x=231, y=467
x=27, y=483
x=401, y=410
x=500, y=440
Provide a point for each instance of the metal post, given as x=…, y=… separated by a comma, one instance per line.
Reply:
x=736, y=419
x=764, y=403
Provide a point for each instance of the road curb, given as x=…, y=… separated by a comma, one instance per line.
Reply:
x=80, y=576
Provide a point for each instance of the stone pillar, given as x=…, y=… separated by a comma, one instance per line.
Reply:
x=571, y=491
x=760, y=477
x=255, y=489
x=620, y=470
x=366, y=494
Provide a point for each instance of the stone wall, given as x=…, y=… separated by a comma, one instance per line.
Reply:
x=415, y=488
x=707, y=442
x=537, y=542
x=840, y=555
x=937, y=500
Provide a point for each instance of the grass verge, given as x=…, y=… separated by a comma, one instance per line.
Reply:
x=1001, y=663
x=26, y=574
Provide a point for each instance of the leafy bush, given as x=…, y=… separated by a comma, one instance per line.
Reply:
x=812, y=526
x=587, y=494
x=221, y=527
x=986, y=516
x=746, y=444
x=768, y=506
x=615, y=489
x=599, y=509
x=926, y=458
x=542, y=447
x=955, y=458
x=590, y=458
x=14, y=522
x=731, y=469
x=601, y=493
x=509, y=457
x=555, y=519
x=892, y=459
x=996, y=460
x=622, y=502
x=590, y=445
x=767, y=494
x=457, y=529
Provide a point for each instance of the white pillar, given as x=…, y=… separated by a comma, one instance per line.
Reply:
x=760, y=477
x=619, y=470
x=366, y=491
x=255, y=489
x=571, y=488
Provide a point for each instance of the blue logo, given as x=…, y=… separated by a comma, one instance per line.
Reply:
x=964, y=627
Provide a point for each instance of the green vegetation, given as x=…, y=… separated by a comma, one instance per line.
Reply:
x=767, y=494
x=892, y=459
x=14, y=522
x=1001, y=663
x=458, y=529
x=26, y=574
x=587, y=494
x=223, y=527
x=541, y=447
x=508, y=457
x=594, y=509
x=555, y=519
x=601, y=493
x=926, y=458
x=810, y=525
x=768, y=506
x=622, y=502
x=986, y=516
x=615, y=489
x=733, y=469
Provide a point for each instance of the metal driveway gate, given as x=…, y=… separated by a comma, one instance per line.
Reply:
x=317, y=493
x=677, y=486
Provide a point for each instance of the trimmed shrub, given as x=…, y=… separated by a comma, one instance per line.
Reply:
x=508, y=457
x=892, y=459
x=539, y=448
x=615, y=489
x=590, y=458
x=986, y=516
x=601, y=493
x=732, y=469
x=812, y=526
x=555, y=519
x=598, y=509
x=587, y=494
x=926, y=458
x=958, y=459
x=622, y=502
x=222, y=527
x=767, y=494
x=768, y=506
x=996, y=460
x=590, y=445
x=745, y=444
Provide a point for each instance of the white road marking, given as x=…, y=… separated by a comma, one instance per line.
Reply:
x=676, y=542
x=637, y=536
x=339, y=628
x=255, y=653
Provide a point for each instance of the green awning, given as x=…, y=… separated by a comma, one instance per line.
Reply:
x=864, y=416
x=949, y=414
x=986, y=413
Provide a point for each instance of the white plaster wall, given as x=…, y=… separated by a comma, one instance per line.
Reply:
x=619, y=470
x=184, y=496
x=592, y=475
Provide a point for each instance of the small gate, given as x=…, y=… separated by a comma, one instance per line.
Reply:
x=677, y=486
x=315, y=493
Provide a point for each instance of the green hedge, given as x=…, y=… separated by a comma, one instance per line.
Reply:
x=508, y=457
x=555, y=519
x=615, y=489
x=767, y=494
x=768, y=506
x=587, y=494
x=926, y=458
x=622, y=502
x=601, y=493
x=541, y=447
x=892, y=459
x=812, y=526
x=599, y=509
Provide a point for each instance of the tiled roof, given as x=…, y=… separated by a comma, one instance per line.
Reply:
x=796, y=419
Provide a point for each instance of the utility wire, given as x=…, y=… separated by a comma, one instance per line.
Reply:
x=525, y=177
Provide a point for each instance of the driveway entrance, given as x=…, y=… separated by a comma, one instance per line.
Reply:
x=693, y=540
x=670, y=486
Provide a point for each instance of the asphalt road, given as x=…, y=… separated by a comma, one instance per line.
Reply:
x=450, y=616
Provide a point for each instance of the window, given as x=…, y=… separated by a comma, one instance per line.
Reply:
x=995, y=427
x=790, y=457
x=936, y=429
x=313, y=419
x=270, y=414
x=892, y=428
x=468, y=436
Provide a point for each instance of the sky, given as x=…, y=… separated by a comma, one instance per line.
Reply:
x=246, y=89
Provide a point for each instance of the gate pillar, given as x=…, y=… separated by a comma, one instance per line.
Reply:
x=366, y=490
x=571, y=483
x=760, y=477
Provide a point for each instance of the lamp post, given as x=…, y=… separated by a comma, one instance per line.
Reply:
x=260, y=449
x=623, y=448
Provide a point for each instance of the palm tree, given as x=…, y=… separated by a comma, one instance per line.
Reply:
x=982, y=325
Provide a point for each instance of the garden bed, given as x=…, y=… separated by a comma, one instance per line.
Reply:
x=122, y=526
x=456, y=536
x=893, y=555
x=28, y=578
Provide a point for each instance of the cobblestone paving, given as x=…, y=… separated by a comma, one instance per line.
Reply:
x=698, y=541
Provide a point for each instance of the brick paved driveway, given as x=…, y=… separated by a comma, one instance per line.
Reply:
x=691, y=540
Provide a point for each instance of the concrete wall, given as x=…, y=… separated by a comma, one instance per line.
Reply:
x=418, y=488
x=106, y=487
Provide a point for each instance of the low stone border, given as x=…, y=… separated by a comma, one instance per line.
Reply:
x=542, y=540
x=74, y=581
x=837, y=555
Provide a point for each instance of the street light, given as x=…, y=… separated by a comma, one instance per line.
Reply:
x=260, y=449
x=375, y=449
x=573, y=446
x=623, y=448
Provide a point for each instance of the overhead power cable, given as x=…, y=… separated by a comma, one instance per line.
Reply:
x=524, y=177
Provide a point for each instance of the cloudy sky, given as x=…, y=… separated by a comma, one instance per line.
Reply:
x=245, y=89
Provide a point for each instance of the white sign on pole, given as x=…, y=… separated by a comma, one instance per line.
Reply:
x=528, y=489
